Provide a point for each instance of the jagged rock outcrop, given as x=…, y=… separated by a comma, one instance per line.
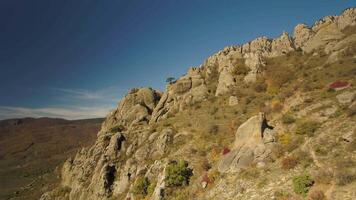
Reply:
x=327, y=32
x=254, y=141
x=186, y=91
x=135, y=107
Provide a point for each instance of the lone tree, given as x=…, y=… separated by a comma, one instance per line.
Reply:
x=170, y=80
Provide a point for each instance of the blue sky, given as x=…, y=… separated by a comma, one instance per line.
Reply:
x=76, y=59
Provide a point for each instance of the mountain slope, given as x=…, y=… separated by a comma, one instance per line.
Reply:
x=270, y=119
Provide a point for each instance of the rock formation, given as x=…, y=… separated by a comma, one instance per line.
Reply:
x=128, y=147
x=254, y=141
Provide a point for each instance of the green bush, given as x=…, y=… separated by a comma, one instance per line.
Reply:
x=307, y=128
x=288, y=119
x=302, y=184
x=178, y=173
x=141, y=186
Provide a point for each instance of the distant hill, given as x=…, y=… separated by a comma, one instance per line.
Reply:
x=31, y=149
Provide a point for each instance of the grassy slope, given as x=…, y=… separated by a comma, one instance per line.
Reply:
x=211, y=124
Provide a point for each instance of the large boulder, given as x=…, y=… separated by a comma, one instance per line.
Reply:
x=254, y=141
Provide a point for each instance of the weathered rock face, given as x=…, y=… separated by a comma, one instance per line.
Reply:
x=327, y=33
x=135, y=107
x=119, y=154
x=254, y=141
x=186, y=91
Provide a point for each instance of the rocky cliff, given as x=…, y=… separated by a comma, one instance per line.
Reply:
x=233, y=120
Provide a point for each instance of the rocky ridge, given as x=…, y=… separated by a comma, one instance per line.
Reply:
x=127, y=147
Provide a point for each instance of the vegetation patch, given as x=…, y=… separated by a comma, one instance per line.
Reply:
x=307, y=128
x=302, y=184
x=178, y=173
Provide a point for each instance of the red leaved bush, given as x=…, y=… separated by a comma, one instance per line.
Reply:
x=225, y=151
x=338, y=84
x=206, y=179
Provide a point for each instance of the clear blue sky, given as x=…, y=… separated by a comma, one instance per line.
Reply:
x=75, y=59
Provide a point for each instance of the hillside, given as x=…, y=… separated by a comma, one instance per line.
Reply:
x=31, y=149
x=269, y=119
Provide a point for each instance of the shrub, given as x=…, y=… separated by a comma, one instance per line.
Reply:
x=151, y=188
x=61, y=191
x=241, y=70
x=141, y=186
x=338, y=84
x=205, y=165
x=288, y=119
x=323, y=176
x=344, y=177
x=260, y=85
x=178, y=173
x=117, y=128
x=289, y=142
x=317, y=195
x=206, y=179
x=213, y=129
x=307, y=128
x=225, y=151
x=289, y=162
x=276, y=106
x=302, y=184
x=304, y=158
x=351, y=111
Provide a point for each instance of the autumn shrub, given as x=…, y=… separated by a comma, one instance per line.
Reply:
x=241, y=70
x=206, y=179
x=278, y=75
x=302, y=184
x=323, y=176
x=225, y=151
x=276, y=106
x=303, y=157
x=178, y=173
x=259, y=85
x=316, y=195
x=344, y=177
x=213, y=129
x=307, y=128
x=205, y=165
x=288, y=119
x=289, y=162
x=289, y=142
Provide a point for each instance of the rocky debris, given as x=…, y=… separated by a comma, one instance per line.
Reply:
x=346, y=97
x=254, y=141
x=233, y=101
